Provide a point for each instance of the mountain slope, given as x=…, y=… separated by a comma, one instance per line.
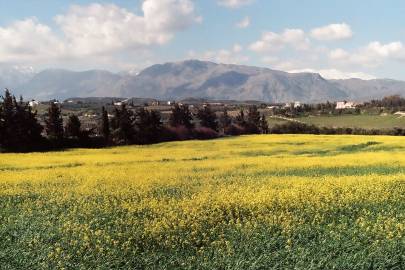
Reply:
x=61, y=84
x=11, y=77
x=197, y=79
x=218, y=81
x=361, y=90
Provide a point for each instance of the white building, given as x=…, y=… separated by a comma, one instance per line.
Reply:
x=345, y=105
x=295, y=104
x=33, y=103
x=170, y=103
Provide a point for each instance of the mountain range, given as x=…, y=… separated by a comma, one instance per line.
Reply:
x=196, y=79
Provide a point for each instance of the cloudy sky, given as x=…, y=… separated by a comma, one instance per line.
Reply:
x=338, y=38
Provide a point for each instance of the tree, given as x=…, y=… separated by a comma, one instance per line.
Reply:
x=6, y=118
x=105, y=124
x=208, y=118
x=54, y=122
x=225, y=121
x=115, y=121
x=73, y=127
x=253, y=120
x=123, y=124
x=181, y=116
x=19, y=128
x=155, y=125
x=27, y=130
x=240, y=118
x=148, y=126
x=264, y=125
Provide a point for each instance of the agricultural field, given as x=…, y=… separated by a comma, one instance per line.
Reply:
x=388, y=121
x=252, y=202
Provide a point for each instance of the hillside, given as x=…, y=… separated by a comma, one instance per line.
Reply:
x=198, y=79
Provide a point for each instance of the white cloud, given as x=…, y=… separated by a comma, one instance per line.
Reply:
x=244, y=23
x=332, y=32
x=28, y=40
x=372, y=55
x=225, y=56
x=271, y=41
x=237, y=48
x=300, y=64
x=97, y=31
x=234, y=3
x=98, y=28
x=393, y=49
x=338, y=54
x=336, y=74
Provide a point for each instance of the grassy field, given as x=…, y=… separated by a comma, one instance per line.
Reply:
x=254, y=202
x=359, y=121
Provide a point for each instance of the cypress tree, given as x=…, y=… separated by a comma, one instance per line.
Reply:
x=73, y=127
x=27, y=130
x=264, y=125
x=105, y=124
x=54, y=123
x=20, y=130
x=148, y=125
x=123, y=123
x=240, y=118
x=225, y=121
x=208, y=118
x=6, y=118
x=181, y=116
x=253, y=120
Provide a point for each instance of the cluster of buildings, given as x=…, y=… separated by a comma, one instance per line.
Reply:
x=341, y=105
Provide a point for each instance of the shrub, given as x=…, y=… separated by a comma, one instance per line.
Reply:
x=178, y=133
x=295, y=128
x=205, y=133
x=235, y=130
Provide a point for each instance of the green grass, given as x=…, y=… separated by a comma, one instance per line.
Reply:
x=275, y=121
x=356, y=121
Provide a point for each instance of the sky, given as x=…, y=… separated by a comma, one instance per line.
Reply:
x=337, y=38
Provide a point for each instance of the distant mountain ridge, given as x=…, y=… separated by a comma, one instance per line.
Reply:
x=198, y=79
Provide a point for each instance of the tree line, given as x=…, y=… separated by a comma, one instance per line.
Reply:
x=21, y=131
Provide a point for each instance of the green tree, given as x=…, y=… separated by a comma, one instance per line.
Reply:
x=240, y=118
x=123, y=124
x=27, y=130
x=208, y=118
x=19, y=128
x=264, y=125
x=225, y=121
x=253, y=120
x=105, y=124
x=148, y=126
x=54, y=122
x=6, y=119
x=181, y=116
x=73, y=127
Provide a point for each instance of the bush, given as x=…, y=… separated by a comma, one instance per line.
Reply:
x=235, y=130
x=205, y=133
x=295, y=128
x=178, y=133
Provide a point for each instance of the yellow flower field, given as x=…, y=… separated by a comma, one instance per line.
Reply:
x=252, y=202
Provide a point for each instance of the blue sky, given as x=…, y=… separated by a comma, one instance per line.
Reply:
x=339, y=39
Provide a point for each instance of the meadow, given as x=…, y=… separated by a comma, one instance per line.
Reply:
x=250, y=202
x=365, y=121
